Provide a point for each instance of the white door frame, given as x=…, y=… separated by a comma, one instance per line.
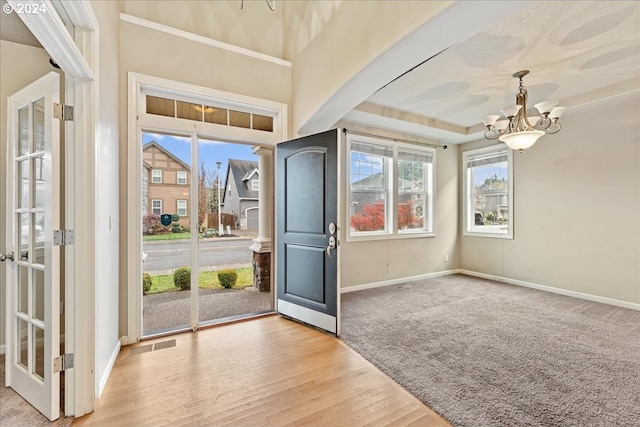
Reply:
x=139, y=120
x=77, y=57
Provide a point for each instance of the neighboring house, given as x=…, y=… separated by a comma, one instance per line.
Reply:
x=167, y=183
x=241, y=195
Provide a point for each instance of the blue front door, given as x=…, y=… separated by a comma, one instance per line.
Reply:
x=306, y=229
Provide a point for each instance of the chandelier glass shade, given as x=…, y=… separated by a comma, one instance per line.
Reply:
x=519, y=130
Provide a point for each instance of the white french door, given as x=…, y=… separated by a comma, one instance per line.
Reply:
x=33, y=270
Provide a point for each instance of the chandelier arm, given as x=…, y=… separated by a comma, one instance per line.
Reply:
x=492, y=134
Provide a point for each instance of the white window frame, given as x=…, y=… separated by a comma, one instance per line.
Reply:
x=183, y=180
x=391, y=230
x=255, y=185
x=468, y=206
x=152, y=207
x=153, y=176
x=178, y=208
x=427, y=191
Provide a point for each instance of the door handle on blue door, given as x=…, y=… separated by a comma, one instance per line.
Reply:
x=331, y=245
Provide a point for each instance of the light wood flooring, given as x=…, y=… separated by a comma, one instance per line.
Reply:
x=264, y=372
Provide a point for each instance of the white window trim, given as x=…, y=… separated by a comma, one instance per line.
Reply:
x=152, y=208
x=391, y=229
x=178, y=174
x=153, y=181
x=466, y=196
x=186, y=212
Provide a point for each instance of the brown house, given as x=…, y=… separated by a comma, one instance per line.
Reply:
x=165, y=183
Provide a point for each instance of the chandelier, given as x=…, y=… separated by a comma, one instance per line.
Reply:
x=520, y=131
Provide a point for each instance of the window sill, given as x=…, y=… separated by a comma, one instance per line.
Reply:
x=401, y=236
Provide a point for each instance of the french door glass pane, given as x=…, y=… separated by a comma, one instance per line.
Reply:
x=38, y=294
x=23, y=289
x=38, y=351
x=23, y=185
x=23, y=340
x=38, y=125
x=23, y=125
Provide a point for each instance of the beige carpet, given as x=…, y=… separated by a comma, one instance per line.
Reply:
x=16, y=412
x=483, y=353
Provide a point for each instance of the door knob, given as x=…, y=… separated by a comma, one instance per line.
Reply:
x=8, y=256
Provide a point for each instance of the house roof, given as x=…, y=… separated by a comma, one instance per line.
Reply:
x=167, y=152
x=241, y=172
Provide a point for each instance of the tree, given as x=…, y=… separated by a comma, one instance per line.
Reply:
x=369, y=218
x=407, y=218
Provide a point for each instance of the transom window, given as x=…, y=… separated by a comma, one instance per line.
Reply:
x=488, y=192
x=156, y=176
x=182, y=177
x=390, y=188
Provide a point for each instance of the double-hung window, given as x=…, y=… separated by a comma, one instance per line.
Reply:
x=156, y=207
x=390, y=191
x=415, y=187
x=156, y=176
x=181, y=177
x=182, y=208
x=488, y=192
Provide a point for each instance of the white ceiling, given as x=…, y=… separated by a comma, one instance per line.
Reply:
x=578, y=52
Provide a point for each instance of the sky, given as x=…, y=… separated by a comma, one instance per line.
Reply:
x=209, y=151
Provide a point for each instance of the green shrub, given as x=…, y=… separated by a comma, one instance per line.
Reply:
x=182, y=278
x=176, y=228
x=227, y=278
x=146, y=283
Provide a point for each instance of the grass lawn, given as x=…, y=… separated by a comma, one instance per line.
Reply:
x=206, y=280
x=169, y=236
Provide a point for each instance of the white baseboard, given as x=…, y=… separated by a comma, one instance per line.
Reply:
x=398, y=281
x=560, y=291
x=107, y=371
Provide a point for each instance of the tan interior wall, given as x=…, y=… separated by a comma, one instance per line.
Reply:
x=254, y=27
x=368, y=262
x=19, y=66
x=576, y=207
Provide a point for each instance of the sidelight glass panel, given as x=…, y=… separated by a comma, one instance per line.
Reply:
x=38, y=351
x=38, y=125
x=23, y=125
